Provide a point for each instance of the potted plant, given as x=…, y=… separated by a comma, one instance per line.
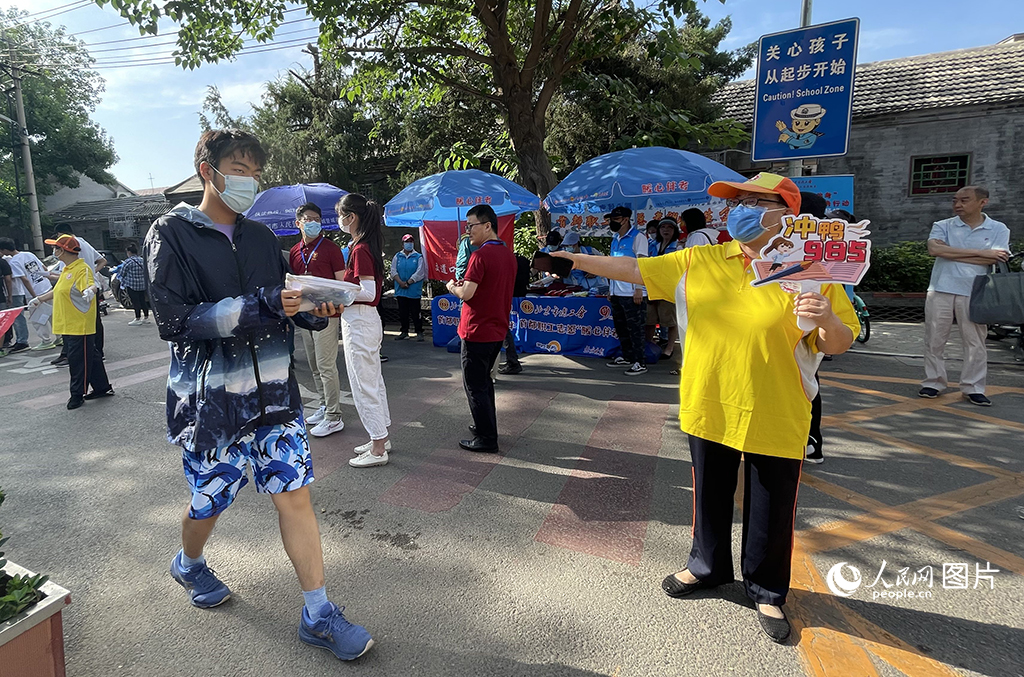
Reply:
x=31, y=628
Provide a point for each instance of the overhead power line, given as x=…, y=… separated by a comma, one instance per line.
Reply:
x=173, y=42
x=50, y=13
x=169, y=60
x=162, y=35
x=128, y=23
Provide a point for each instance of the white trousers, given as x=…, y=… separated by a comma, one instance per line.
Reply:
x=361, y=336
x=322, y=355
x=939, y=310
x=41, y=321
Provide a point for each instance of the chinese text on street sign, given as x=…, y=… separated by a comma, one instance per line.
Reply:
x=805, y=92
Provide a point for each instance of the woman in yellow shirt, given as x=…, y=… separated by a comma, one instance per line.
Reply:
x=74, y=317
x=746, y=389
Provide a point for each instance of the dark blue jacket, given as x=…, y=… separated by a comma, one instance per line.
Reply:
x=218, y=303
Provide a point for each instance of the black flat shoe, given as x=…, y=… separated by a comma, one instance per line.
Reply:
x=674, y=587
x=75, y=402
x=478, y=445
x=777, y=629
x=109, y=392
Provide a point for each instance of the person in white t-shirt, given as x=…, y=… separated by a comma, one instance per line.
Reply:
x=697, y=232
x=30, y=280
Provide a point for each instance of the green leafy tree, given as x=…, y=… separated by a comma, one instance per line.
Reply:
x=512, y=54
x=60, y=92
x=639, y=98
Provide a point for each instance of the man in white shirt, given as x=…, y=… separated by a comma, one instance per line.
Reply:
x=964, y=246
x=29, y=277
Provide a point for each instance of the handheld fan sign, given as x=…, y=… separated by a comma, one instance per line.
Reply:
x=814, y=251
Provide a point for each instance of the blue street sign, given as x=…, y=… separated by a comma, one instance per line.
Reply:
x=837, y=190
x=805, y=92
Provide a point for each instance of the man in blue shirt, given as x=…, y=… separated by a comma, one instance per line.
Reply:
x=964, y=246
x=408, y=270
x=628, y=302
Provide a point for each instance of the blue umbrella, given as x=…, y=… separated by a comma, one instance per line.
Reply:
x=638, y=178
x=276, y=206
x=449, y=195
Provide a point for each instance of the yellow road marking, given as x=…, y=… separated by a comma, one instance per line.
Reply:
x=944, y=456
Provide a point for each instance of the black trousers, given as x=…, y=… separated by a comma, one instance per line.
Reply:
x=477, y=360
x=511, y=354
x=769, y=507
x=97, y=337
x=630, y=319
x=139, y=304
x=85, y=365
x=409, y=309
x=814, y=437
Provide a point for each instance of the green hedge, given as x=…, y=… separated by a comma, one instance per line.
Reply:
x=903, y=267
x=907, y=267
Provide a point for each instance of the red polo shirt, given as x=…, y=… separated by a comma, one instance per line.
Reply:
x=360, y=264
x=484, y=317
x=319, y=258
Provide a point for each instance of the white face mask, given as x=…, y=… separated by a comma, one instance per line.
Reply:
x=239, y=192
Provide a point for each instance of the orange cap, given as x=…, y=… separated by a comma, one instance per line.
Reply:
x=68, y=243
x=762, y=183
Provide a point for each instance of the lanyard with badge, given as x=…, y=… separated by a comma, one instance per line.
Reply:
x=305, y=261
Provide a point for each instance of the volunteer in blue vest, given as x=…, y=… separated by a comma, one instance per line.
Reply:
x=746, y=389
x=628, y=300
x=408, y=270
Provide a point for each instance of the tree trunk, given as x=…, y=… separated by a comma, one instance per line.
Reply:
x=528, y=143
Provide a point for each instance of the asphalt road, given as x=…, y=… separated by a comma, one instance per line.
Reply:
x=545, y=560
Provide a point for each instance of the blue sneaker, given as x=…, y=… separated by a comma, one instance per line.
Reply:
x=345, y=640
x=204, y=588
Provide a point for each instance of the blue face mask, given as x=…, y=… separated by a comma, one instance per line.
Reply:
x=311, y=228
x=407, y=246
x=744, y=223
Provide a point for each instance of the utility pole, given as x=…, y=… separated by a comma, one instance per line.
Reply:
x=26, y=156
x=796, y=167
x=151, y=186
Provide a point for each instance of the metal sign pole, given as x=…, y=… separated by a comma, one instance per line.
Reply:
x=796, y=167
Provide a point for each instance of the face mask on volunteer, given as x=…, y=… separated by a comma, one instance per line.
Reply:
x=744, y=223
x=615, y=226
x=407, y=246
x=239, y=191
x=311, y=228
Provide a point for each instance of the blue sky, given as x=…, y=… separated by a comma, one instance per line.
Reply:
x=152, y=112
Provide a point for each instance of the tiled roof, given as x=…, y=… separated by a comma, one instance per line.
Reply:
x=982, y=75
x=190, y=185
x=101, y=210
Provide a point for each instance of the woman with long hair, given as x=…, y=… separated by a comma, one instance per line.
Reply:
x=662, y=312
x=361, y=330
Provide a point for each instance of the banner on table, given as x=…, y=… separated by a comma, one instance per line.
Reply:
x=581, y=327
x=837, y=190
x=440, y=240
x=592, y=225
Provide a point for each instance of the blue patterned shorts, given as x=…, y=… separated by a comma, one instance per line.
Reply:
x=278, y=457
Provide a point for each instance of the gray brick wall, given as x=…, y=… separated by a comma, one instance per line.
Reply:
x=880, y=156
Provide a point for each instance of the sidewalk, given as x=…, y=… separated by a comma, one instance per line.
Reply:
x=907, y=340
